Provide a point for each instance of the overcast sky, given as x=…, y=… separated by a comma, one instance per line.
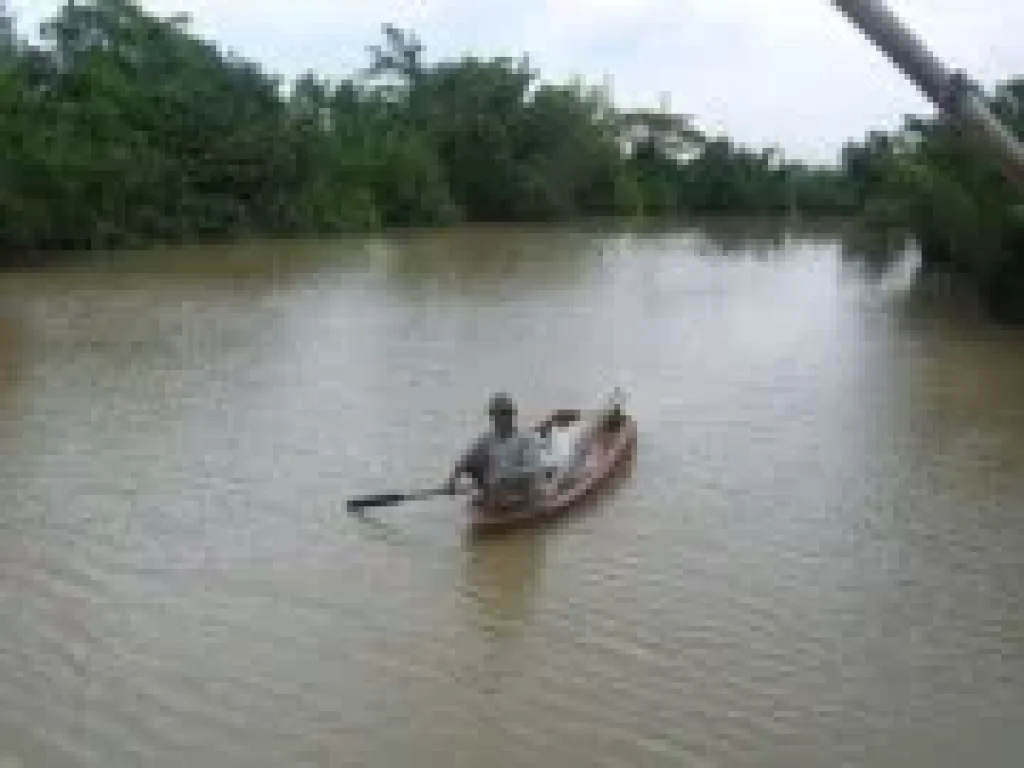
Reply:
x=791, y=72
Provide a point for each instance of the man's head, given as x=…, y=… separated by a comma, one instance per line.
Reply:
x=503, y=412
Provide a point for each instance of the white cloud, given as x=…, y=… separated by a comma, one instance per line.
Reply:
x=792, y=72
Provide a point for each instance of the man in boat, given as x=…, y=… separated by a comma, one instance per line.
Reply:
x=505, y=464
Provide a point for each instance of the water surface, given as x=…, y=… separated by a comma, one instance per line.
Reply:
x=817, y=560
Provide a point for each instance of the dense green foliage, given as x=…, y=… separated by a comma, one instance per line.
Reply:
x=121, y=127
x=932, y=182
x=721, y=177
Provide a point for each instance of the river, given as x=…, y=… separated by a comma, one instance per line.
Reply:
x=816, y=560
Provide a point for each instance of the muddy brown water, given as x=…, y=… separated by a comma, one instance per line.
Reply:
x=816, y=560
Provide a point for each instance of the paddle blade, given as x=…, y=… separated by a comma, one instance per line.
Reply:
x=380, y=500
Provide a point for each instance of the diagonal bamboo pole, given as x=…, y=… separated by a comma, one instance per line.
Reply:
x=943, y=87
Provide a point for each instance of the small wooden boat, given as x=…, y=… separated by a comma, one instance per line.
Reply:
x=609, y=443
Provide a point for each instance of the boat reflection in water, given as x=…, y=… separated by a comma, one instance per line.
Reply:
x=503, y=577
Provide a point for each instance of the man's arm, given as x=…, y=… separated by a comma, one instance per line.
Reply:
x=473, y=463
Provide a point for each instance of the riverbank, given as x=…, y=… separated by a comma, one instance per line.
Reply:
x=123, y=129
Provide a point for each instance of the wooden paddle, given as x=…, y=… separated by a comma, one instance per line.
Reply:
x=389, y=499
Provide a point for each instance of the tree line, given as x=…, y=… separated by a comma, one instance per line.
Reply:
x=120, y=127
x=926, y=180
